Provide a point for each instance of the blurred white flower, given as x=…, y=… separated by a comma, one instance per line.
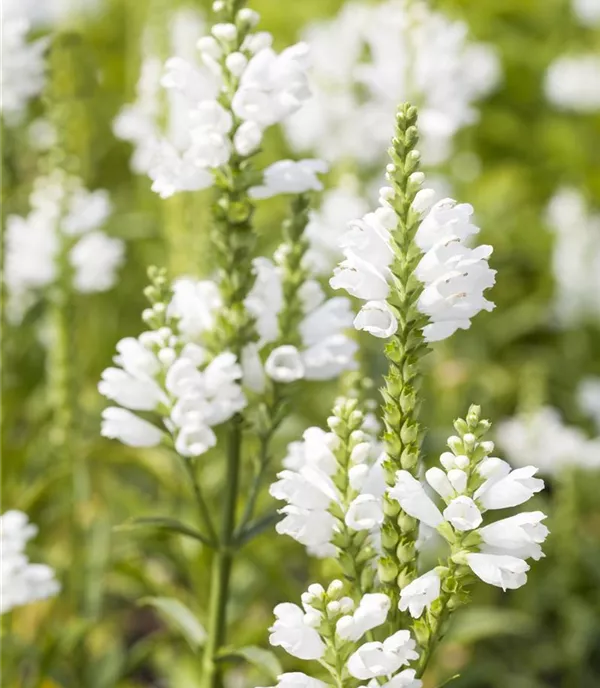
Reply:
x=368, y=59
x=542, y=438
x=23, y=63
x=20, y=581
x=576, y=258
x=588, y=396
x=572, y=82
x=64, y=217
x=290, y=177
x=295, y=636
x=382, y=659
x=587, y=11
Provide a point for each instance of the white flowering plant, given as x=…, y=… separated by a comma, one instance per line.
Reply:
x=288, y=290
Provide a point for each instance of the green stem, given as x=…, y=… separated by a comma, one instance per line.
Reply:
x=203, y=510
x=222, y=562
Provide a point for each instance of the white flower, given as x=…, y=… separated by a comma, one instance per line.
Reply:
x=327, y=224
x=136, y=393
x=23, y=66
x=411, y=496
x=572, y=82
x=463, y=514
x=377, y=318
x=361, y=279
x=420, y=594
x=382, y=659
x=439, y=481
x=367, y=59
x=284, y=364
x=514, y=489
x=297, y=679
x=195, y=304
x=292, y=634
x=247, y=138
x=194, y=439
x=501, y=570
x=446, y=220
x=122, y=425
x=95, y=259
x=290, y=177
x=519, y=535
x=20, y=581
x=272, y=86
x=364, y=512
x=405, y=679
x=372, y=611
x=313, y=529
x=587, y=11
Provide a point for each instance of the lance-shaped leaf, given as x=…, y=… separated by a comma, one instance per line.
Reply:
x=180, y=618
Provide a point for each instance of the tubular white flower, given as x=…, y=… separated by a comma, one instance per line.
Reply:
x=377, y=318
x=292, y=634
x=135, y=393
x=382, y=659
x=419, y=594
x=514, y=489
x=572, y=82
x=290, y=177
x=364, y=512
x=284, y=364
x=440, y=483
x=20, y=581
x=411, y=496
x=519, y=535
x=372, y=611
x=463, y=514
x=120, y=424
x=297, y=679
x=501, y=570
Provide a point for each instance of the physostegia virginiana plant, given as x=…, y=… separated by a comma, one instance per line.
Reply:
x=228, y=351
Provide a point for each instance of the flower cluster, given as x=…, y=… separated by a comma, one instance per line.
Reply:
x=155, y=114
x=453, y=275
x=576, y=257
x=60, y=235
x=371, y=57
x=471, y=483
x=572, y=82
x=20, y=581
x=333, y=485
x=329, y=627
x=226, y=99
x=545, y=439
x=164, y=372
x=23, y=63
x=324, y=351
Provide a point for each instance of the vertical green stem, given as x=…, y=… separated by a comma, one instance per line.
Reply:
x=222, y=562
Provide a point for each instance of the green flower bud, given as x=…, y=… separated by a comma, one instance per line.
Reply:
x=387, y=570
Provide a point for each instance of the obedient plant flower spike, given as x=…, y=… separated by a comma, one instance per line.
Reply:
x=471, y=483
x=453, y=593
x=233, y=238
x=403, y=351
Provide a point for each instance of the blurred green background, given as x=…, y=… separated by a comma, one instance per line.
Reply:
x=548, y=633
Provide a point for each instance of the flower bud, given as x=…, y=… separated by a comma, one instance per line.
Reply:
x=455, y=443
x=387, y=570
x=224, y=32
x=248, y=17
x=335, y=589
x=236, y=63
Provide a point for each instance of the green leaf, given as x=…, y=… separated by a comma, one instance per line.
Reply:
x=479, y=623
x=257, y=527
x=262, y=659
x=178, y=616
x=171, y=525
